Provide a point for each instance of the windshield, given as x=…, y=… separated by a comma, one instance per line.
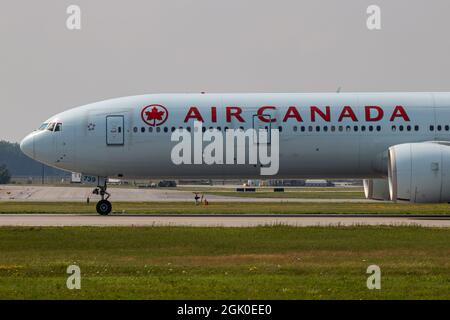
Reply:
x=54, y=126
x=51, y=126
x=43, y=126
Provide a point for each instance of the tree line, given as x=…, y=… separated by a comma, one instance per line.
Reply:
x=14, y=163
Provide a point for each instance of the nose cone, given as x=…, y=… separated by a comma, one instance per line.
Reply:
x=27, y=146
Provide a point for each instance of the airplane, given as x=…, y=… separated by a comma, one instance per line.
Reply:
x=398, y=142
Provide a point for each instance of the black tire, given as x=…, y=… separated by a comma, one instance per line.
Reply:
x=104, y=207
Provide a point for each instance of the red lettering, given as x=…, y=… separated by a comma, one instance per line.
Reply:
x=213, y=114
x=368, y=111
x=193, y=113
x=234, y=112
x=347, y=112
x=325, y=116
x=264, y=117
x=292, y=112
x=399, y=112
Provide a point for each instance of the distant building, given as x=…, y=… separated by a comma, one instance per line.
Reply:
x=115, y=181
x=286, y=183
x=318, y=183
x=253, y=183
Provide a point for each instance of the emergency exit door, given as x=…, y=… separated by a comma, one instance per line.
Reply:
x=115, y=130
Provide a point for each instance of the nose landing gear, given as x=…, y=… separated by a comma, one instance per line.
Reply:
x=104, y=207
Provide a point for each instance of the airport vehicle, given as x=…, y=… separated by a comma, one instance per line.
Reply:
x=398, y=142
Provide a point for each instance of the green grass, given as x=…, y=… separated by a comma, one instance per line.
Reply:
x=228, y=208
x=269, y=189
x=225, y=263
x=290, y=192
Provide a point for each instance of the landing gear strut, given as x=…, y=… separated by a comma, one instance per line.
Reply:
x=104, y=207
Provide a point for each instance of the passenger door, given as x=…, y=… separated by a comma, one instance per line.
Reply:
x=115, y=130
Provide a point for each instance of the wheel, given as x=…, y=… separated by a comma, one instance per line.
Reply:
x=104, y=207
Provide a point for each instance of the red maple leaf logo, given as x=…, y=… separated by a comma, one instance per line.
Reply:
x=154, y=115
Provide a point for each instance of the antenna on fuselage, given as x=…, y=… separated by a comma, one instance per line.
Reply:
x=338, y=90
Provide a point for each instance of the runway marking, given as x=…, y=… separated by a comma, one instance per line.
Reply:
x=59, y=220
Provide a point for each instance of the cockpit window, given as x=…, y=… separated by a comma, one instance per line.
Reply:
x=51, y=126
x=54, y=126
x=43, y=126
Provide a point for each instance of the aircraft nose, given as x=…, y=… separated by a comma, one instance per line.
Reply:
x=27, y=146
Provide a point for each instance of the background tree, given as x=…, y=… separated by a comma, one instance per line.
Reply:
x=5, y=176
x=20, y=165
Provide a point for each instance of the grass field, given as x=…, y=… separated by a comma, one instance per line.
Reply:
x=229, y=208
x=226, y=263
x=291, y=194
x=299, y=193
x=269, y=189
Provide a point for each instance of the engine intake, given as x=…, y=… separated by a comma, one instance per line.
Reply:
x=419, y=172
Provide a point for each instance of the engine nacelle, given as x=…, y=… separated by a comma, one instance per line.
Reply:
x=376, y=189
x=420, y=172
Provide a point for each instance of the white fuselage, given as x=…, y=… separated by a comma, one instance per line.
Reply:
x=331, y=135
